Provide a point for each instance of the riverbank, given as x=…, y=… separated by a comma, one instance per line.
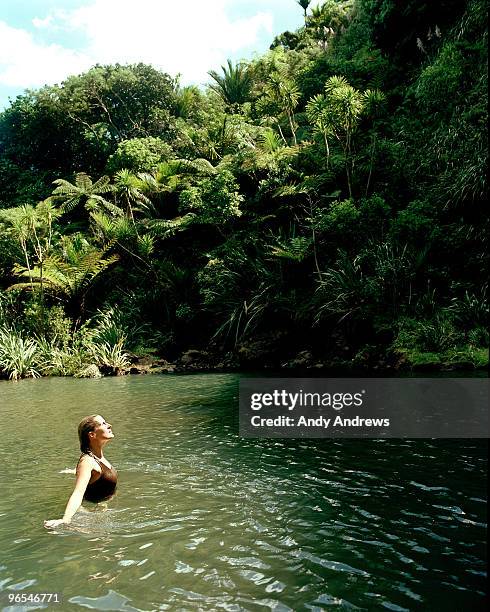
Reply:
x=305, y=361
x=86, y=355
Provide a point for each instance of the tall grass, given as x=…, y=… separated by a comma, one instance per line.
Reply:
x=18, y=356
x=110, y=355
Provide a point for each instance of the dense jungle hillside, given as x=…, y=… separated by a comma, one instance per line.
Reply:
x=320, y=206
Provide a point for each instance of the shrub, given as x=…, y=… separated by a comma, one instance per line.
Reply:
x=110, y=355
x=479, y=336
x=18, y=357
x=139, y=155
x=471, y=309
x=66, y=360
x=435, y=335
x=49, y=322
x=216, y=200
x=115, y=324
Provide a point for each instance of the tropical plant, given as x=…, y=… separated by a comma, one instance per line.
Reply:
x=233, y=86
x=138, y=155
x=84, y=192
x=18, y=356
x=472, y=308
x=341, y=290
x=110, y=355
x=33, y=227
x=54, y=360
x=215, y=200
x=434, y=335
x=304, y=4
x=317, y=111
x=114, y=325
x=338, y=113
x=129, y=190
x=281, y=95
x=71, y=274
x=294, y=249
x=327, y=19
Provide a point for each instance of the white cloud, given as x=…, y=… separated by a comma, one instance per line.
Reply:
x=26, y=63
x=190, y=38
x=42, y=23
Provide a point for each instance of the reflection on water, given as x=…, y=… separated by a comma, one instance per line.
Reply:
x=205, y=520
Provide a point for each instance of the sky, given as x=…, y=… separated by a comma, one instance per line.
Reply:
x=45, y=41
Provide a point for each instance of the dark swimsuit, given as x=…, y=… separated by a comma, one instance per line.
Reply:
x=103, y=486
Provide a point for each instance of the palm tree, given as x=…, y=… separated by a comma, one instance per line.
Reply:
x=85, y=192
x=130, y=189
x=33, y=228
x=234, y=85
x=171, y=175
x=337, y=113
x=283, y=93
x=71, y=274
x=318, y=115
x=328, y=19
x=304, y=4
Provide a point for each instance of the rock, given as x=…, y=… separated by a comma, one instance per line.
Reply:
x=457, y=365
x=264, y=351
x=146, y=360
x=132, y=358
x=192, y=356
x=304, y=359
x=139, y=369
x=108, y=370
x=91, y=371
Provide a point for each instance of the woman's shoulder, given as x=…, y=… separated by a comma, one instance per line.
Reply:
x=88, y=461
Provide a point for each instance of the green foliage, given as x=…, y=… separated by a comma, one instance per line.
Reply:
x=433, y=336
x=328, y=19
x=233, y=86
x=71, y=274
x=337, y=114
x=304, y=4
x=66, y=360
x=115, y=326
x=280, y=99
x=110, y=355
x=238, y=290
x=85, y=192
x=130, y=193
x=471, y=308
x=215, y=200
x=341, y=218
x=295, y=248
x=33, y=227
x=77, y=125
x=416, y=223
x=17, y=355
x=139, y=155
x=341, y=290
x=50, y=322
x=333, y=188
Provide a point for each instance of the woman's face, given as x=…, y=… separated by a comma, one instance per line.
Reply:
x=102, y=431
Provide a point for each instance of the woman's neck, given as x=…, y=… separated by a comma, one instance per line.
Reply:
x=97, y=450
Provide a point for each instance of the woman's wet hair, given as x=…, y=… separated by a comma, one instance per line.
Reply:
x=87, y=425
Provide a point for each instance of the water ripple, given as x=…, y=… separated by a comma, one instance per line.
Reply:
x=205, y=520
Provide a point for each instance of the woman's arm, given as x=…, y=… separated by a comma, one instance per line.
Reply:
x=84, y=471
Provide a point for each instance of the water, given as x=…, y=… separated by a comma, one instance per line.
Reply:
x=204, y=520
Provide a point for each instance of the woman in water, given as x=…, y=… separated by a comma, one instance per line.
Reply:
x=96, y=478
